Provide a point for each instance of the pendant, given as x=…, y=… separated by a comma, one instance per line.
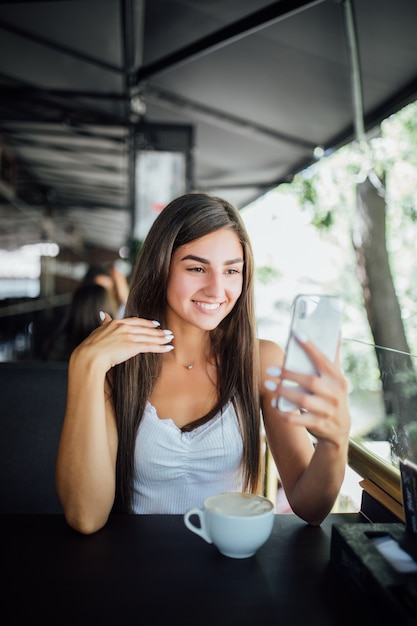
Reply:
x=189, y=367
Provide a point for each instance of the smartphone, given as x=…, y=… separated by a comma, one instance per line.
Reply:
x=319, y=317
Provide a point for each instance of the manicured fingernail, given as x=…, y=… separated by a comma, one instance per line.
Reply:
x=274, y=403
x=168, y=347
x=273, y=371
x=301, y=337
x=155, y=323
x=102, y=316
x=168, y=333
x=270, y=385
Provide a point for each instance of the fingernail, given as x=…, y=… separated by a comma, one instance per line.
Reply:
x=102, y=316
x=168, y=333
x=274, y=403
x=274, y=370
x=168, y=347
x=270, y=385
x=301, y=337
x=155, y=323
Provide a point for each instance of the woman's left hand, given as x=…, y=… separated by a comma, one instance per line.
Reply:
x=323, y=399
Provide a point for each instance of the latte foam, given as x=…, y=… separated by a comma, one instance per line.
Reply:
x=243, y=504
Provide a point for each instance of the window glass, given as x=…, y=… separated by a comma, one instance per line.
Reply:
x=348, y=226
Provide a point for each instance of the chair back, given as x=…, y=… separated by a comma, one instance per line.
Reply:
x=32, y=407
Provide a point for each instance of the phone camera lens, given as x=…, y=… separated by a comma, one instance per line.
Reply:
x=303, y=309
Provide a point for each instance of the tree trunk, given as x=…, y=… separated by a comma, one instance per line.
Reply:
x=383, y=311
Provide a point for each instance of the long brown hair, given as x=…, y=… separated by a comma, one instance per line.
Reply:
x=183, y=220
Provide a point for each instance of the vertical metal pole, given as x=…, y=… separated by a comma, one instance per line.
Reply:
x=355, y=72
x=133, y=15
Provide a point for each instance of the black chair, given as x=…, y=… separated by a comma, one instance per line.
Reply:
x=32, y=407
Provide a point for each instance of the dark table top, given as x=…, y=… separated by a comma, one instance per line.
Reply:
x=151, y=570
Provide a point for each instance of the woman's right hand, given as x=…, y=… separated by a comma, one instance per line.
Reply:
x=118, y=340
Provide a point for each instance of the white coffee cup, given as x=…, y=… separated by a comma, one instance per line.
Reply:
x=237, y=523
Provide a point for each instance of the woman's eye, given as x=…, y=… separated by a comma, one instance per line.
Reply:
x=196, y=269
x=232, y=271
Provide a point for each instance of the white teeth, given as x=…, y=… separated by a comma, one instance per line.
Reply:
x=208, y=307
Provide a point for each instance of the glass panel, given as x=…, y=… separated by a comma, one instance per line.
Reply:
x=347, y=226
x=382, y=399
x=161, y=176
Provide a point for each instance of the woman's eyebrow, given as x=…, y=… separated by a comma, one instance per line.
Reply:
x=199, y=259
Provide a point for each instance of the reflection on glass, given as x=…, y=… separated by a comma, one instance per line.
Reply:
x=383, y=399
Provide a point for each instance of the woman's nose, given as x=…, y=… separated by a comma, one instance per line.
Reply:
x=215, y=284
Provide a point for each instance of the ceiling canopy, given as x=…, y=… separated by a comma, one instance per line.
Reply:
x=261, y=85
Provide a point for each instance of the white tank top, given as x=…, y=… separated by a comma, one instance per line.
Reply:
x=177, y=470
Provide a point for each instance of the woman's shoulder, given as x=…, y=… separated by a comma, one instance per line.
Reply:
x=270, y=353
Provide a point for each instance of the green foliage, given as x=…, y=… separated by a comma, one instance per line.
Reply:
x=361, y=368
x=324, y=221
x=305, y=188
x=326, y=192
x=402, y=129
x=411, y=431
x=266, y=274
x=409, y=208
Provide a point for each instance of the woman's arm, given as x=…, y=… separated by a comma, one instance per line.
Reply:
x=86, y=461
x=311, y=475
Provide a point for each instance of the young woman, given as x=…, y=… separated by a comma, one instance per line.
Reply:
x=164, y=406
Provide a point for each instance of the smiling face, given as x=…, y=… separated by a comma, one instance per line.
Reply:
x=205, y=279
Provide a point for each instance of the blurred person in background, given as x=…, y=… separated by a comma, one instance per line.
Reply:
x=82, y=318
x=113, y=280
